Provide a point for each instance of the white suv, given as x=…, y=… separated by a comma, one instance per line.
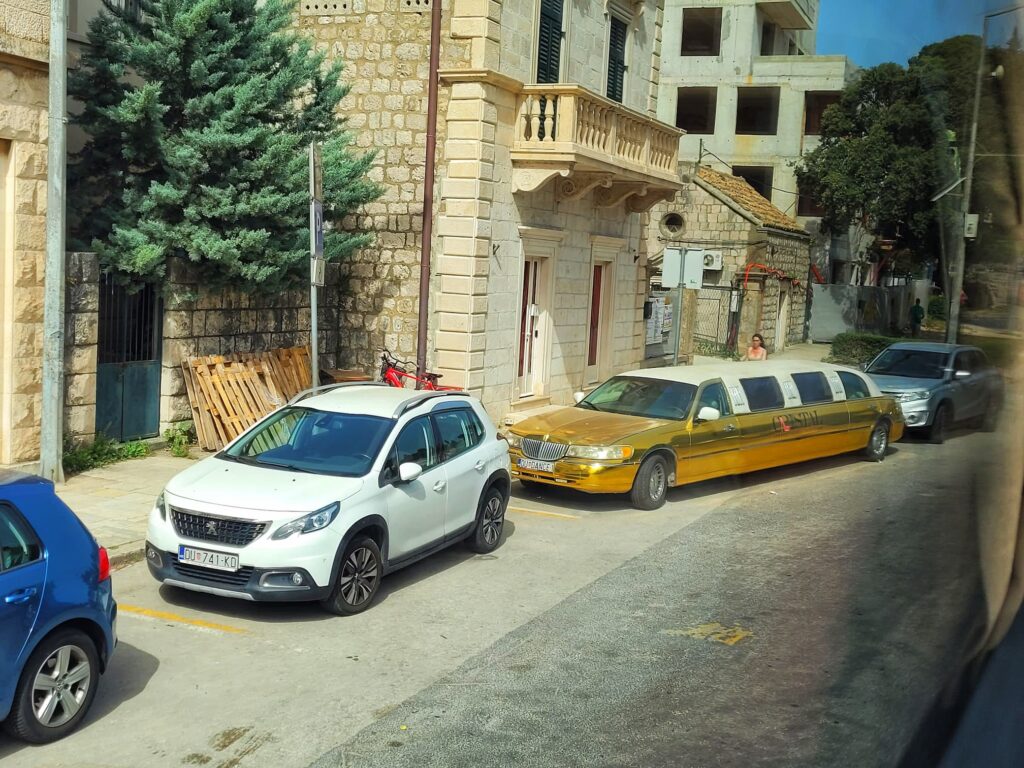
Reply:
x=326, y=495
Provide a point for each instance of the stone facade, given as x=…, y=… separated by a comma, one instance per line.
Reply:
x=81, y=324
x=23, y=133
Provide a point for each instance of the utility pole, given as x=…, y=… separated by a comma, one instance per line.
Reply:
x=316, y=257
x=51, y=434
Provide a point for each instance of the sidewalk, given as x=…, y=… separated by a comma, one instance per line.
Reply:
x=114, y=502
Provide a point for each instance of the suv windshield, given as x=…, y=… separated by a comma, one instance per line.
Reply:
x=651, y=398
x=307, y=440
x=913, y=363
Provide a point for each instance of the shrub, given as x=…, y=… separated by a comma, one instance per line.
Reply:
x=937, y=307
x=100, y=452
x=179, y=438
x=856, y=348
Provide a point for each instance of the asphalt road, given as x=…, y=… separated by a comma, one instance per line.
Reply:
x=805, y=616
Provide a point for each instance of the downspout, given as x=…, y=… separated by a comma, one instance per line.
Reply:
x=428, y=191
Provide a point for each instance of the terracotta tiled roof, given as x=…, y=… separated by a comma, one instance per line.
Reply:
x=745, y=196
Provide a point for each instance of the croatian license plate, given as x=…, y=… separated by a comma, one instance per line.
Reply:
x=220, y=561
x=539, y=466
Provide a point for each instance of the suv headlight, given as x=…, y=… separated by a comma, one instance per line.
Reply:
x=161, y=506
x=514, y=441
x=908, y=397
x=600, y=452
x=314, y=521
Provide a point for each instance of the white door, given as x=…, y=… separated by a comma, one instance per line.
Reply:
x=415, y=511
x=782, y=321
x=465, y=465
x=530, y=344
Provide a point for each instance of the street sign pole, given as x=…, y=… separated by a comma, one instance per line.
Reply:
x=316, y=256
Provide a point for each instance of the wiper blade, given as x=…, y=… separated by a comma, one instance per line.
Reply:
x=585, y=404
x=285, y=465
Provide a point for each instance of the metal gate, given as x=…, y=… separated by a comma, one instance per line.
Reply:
x=712, y=328
x=128, y=363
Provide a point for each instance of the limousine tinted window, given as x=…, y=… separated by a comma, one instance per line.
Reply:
x=713, y=396
x=763, y=393
x=651, y=398
x=813, y=388
x=854, y=385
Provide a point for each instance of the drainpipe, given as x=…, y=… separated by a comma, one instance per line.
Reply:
x=428, y=190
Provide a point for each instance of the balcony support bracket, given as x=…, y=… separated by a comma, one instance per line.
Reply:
x=576, y=186
x=617, y=192
x=532, y=178
x=646, y=201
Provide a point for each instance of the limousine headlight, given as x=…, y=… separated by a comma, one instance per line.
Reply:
x=600, y=452
x=908, y=397
x=514, y=441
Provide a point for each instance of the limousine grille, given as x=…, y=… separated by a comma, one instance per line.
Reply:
x=537, y=449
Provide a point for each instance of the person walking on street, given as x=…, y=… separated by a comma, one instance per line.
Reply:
x=916, y=318
x=756, y=350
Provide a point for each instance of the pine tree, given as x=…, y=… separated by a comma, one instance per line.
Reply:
x=199, y=114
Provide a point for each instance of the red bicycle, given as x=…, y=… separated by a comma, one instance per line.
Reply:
x=393, y=372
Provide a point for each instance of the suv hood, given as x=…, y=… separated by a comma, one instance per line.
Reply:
x=904, y=383
x=225, y=484
x=580, y=426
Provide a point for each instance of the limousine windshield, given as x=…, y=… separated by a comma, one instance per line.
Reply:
x=914, y=363
x=635, y=396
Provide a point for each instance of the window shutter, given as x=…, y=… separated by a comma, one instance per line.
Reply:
x=549, y=42
x=616, y=58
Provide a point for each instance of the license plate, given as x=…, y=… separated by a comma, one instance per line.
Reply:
x=220, y=561
x=540, y=466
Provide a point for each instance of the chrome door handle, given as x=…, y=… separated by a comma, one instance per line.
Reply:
x=730, y=427
x=20, y=596
x=439, y=486
x=479, y=466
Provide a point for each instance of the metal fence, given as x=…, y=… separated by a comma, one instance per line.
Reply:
x=712, y=328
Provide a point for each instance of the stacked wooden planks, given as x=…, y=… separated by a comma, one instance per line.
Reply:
x=230, y=393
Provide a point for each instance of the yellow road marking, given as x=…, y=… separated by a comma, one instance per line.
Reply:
x=559, y=515
x=714, y=632
x=165, y=616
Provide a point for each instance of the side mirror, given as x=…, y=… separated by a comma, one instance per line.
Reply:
x=962, y=375
x=409, y=472
x=578, y=396
x=707, y=413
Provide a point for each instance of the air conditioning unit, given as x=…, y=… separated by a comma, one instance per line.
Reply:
x=713, y=260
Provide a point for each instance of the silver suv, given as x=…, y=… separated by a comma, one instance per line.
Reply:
x=938, y=385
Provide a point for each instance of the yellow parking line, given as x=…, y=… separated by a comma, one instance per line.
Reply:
x=165, y=616
x=559, y=515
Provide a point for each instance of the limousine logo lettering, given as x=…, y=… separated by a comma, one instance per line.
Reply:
x=797, y=421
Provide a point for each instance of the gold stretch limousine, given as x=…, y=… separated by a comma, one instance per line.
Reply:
x=646, y=431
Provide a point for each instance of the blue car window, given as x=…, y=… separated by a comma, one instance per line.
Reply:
x=18, y=543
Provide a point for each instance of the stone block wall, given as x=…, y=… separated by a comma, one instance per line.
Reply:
x=385, y=50
x=23, y=134
x=81, y=324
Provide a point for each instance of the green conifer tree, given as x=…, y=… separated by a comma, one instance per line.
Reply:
x=199, y=115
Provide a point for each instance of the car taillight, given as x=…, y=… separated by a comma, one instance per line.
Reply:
x=104, y=565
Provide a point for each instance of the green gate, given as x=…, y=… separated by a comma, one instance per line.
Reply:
x=128, y=363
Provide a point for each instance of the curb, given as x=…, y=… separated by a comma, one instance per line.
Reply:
x=134, y=553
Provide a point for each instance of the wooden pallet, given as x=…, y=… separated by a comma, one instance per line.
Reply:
x=230, y=393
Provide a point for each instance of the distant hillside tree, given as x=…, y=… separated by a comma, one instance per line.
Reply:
x=199, y=114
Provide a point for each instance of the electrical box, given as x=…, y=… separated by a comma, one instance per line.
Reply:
x=693, y=269
x=971, y=226
x=682, y=268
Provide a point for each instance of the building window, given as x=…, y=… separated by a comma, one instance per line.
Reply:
x=757, y=111
x=815, y=104
x=618, y=31
x=549, y=41
x=809, y=207
x=702, y=32
x=695, y=110
x=760, y=177
x=767, y=38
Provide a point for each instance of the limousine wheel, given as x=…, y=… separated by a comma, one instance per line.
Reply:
x=878, y=444
x=358, y=578
x=651, y=484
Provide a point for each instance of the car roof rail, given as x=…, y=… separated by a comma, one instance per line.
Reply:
x=329, y=387
x=423, y=397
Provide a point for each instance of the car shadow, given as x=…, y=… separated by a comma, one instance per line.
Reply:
x=302, y=612
x=127, y=676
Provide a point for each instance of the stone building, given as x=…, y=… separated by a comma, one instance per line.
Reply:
x=757, y=262
x=549, y=154
x=24, y=51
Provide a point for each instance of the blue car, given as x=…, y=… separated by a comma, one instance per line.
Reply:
x=57, y=611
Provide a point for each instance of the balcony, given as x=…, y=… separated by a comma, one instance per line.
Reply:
x=791, y=14
x=591, y=143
